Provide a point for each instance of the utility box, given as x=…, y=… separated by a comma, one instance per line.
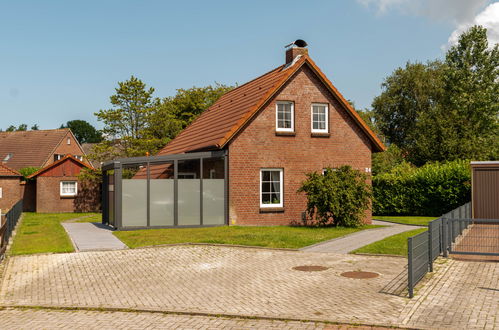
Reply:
x=485, y=189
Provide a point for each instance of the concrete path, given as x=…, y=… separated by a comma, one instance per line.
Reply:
x=88, y=236
x=359, y=239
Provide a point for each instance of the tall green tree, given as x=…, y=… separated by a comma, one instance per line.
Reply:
x=447, y=110
x=83, y=131
x=125, y=123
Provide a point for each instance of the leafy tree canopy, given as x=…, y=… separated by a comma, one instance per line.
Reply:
x=83, y=131
x=444, y=110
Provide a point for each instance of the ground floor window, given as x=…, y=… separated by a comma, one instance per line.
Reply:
x=69, y=188
x=271, y=187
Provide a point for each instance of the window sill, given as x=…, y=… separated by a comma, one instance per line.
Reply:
x=271, y=209
x=279, y=133
x=68, y=196
x=317, y=134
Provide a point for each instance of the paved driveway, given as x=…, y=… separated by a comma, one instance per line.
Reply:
x=204, y=279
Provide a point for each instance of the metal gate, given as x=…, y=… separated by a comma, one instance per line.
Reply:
x=471, y=237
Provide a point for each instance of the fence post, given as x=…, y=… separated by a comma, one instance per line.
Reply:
x=410, y=285
x=444, y=236
x=430, y=245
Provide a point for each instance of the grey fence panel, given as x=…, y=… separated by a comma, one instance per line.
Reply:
x=418, y=257
x=7, y=226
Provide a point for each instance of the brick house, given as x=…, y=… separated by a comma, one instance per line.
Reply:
x=10, y=191
x=38, y=149
x=59, y=190
x=271, y=131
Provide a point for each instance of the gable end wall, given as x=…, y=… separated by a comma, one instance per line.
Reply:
x=257, y=146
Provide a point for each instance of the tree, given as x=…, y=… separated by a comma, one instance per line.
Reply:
x=338, y=197
x=407, y=94
x=125, y=124
x=35, y=127
x=21, y=127
x=83, y=131
x=445, y=111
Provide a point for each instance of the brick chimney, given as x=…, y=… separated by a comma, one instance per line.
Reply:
x=293, y=51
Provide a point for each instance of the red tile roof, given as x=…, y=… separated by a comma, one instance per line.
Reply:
x=63, y=159
x=7, y=171
x=215, y=127
x=30, y=148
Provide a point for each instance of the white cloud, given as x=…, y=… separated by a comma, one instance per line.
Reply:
x=488, y=18
x=462, y=14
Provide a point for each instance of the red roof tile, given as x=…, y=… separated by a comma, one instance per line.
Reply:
x=7, y=171
x=29, y=148
x=215, y=127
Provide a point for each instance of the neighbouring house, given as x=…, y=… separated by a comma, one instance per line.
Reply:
x=37, y=149
x=243, y=159
x=58, y=188
x=10, y=192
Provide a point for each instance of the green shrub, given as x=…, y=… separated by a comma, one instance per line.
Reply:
x=430, y=190
x=27, y=171
x=339, y=197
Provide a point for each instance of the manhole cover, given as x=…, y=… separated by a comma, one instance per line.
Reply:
x=310, y=268
x=360, y=275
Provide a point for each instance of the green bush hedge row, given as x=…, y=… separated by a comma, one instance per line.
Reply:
x=431, y=190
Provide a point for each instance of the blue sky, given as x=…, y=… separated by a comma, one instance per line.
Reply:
x=61, y=60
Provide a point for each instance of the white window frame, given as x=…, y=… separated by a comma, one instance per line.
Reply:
x=281, y=191
x=1, y=192
x=69, y=194
x=68, y=141
x=326, y=130
x=280, y=129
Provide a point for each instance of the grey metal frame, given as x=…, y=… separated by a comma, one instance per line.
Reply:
x=117, y=166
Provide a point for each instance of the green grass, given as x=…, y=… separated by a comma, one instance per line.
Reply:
x=43, y=233
x=408, y=220
x=91, y=217
x=273, y=237
x=396, y=244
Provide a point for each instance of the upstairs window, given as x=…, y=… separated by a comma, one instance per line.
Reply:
x=319, y=118
x=58, y=157
x=68, y=141
x=271, y=187
x=285, y=117
x=79, y=157
x=69, y=188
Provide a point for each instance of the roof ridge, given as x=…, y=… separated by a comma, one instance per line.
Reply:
x=10, y=169
x=68, y=156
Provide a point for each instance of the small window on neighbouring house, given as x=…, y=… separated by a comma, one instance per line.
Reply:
x=7, y=157
x=271, y=187
x=319, y=118
x=285, y=117
x=80, y=158
x=58, y=157
x=69, y=141
x=1, y=192
x=69, y=188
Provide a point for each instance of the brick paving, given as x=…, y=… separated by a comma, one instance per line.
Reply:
x=460, y=295
x=55, y=319
x=206, y=279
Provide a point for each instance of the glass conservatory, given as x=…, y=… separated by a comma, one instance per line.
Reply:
x=182, y=190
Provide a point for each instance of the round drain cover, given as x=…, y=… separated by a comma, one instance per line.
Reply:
x=310, y=268
x=360, y=275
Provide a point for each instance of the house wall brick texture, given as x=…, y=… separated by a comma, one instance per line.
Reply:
x=48, y=195
x=257, y=146
x=63, y=149
x=11, y=192
x=28, y=191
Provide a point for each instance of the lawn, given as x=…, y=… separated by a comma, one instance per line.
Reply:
x=408, y=220
x=43, y=232
x=273, y=237
x=396, y=244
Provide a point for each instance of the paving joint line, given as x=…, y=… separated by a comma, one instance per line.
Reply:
x=166, y=312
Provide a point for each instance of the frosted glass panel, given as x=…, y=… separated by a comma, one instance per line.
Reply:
x=161, y=199
x=189, y=202
x=213, y=202
x=134, y=211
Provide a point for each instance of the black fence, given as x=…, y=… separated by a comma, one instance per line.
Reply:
x=7, y=224
x=425, y=247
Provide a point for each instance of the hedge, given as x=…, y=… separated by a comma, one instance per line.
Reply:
x=430, y=190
